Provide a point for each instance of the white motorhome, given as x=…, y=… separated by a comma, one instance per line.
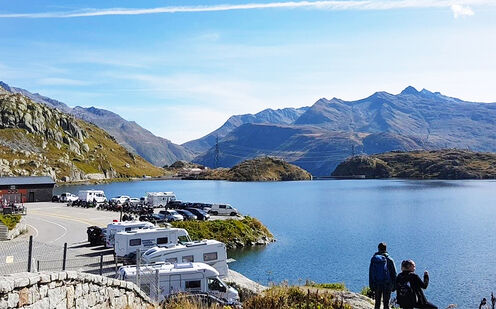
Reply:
x=211, y=252
x=116, y=227
x=92, y=196
x=127, y=243
x=223, y=210
x=159, y=199
x=179, y=278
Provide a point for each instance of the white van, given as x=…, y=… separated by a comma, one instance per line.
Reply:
x=116, y=227
x=159, y=199
x=223, y=210
x=92, y=196
x=179, y=278
x=127, y=243
x=211, y=252
x=68, y=197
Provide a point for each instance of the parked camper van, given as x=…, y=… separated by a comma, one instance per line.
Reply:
x=159, y=199
x=223, y=210
x=92, y=196
x=68, y=197
x=116, y=227
x=127, y=243
x=179, y=278
x=211, y=252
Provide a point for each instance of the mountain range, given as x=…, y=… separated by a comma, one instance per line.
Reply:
x=326, y=133
x=157, y=150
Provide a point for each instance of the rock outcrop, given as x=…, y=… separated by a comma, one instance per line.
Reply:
x=258, y=169
x=39, y=140
x=435, y=164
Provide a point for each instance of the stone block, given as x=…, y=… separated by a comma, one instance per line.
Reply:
x=6, y=285
x=78, y=290
x=13, y=300
x=43, y=290
x=24, y=297
x=72, y=275
x=21, y=281
x=44, y=278
x=70, y=296
x=62, y=275
x=41, y=304
x=34, y=279
x=54, y=277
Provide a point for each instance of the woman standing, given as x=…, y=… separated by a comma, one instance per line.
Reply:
x=409, y=287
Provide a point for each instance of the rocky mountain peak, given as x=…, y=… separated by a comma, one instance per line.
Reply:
x=410, y=90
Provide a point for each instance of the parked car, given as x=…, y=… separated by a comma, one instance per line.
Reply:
x=187, y=214
x=121, y=199
x=68, y=197
x=133, y=201
x=223, y=210
x=171, y=215
x=154, y=218
x=200, y=214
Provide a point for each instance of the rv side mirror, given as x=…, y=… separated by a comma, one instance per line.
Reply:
x=223, y=289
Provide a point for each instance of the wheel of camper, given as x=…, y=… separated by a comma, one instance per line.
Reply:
x=233, y=213
x=215, y=213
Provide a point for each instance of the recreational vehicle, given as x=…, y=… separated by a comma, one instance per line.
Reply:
x=159, y=199
x=92, y=196
x=127, y=243
x=179, y=278
x=211, y=252
x=116, y=227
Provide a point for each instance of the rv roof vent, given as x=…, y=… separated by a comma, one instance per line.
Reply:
x=183, y=265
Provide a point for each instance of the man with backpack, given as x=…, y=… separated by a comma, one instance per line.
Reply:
x=382, y=276
x=409, y=287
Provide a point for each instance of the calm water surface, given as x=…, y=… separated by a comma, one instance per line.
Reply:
x=327, y=230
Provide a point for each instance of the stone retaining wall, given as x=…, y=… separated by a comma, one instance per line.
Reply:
x=69, y=289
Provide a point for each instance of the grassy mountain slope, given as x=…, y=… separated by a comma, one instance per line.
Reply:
x=38, y=140
x=157, y=150
x=435, y=164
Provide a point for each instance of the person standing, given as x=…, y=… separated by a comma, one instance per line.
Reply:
x=409, y=287
x=382, y=276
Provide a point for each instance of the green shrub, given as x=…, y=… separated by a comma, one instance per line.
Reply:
x=10, y=220
x=338, y=286
x=231, y=232
x=367, y=292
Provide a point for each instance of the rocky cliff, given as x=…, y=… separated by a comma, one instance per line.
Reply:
x=38, y=140
x=439, y=164
x=156, y=150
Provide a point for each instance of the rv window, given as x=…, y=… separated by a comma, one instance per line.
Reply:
x=222, y=206
x=183, y=239
x=127, y=229
x=214, y=284
x=229, y=207
x=209, y=256
x=188, y=258
x=135, y=242
x=193, y=285
x=162, y=240
x=171, y=260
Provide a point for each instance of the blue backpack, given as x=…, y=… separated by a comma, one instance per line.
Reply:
x=380, y=271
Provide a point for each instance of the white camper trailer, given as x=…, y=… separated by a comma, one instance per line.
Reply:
x=116, y=227
x=127, y=243
x=162, y=280
x=92, y=196
x=211, y=252
x=159, y=199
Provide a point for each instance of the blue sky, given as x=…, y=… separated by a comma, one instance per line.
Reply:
x=182, y=74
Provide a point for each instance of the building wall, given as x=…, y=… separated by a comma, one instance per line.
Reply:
x=26, y=193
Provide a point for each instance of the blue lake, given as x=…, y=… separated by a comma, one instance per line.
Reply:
x=327, y=230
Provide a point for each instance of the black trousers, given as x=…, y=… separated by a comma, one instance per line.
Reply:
x=384, y=293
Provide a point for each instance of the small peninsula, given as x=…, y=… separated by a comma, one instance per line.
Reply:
x=257, y=169
x=434, y=164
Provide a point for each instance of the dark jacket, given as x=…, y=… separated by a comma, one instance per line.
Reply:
x=417, y=285
x=391, y=269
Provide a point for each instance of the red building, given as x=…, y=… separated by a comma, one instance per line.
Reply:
x=26, y=189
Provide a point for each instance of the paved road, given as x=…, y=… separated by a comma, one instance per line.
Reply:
x=56, y=224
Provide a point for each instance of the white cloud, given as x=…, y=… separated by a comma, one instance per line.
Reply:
x=321, y=5
x=461, y=11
